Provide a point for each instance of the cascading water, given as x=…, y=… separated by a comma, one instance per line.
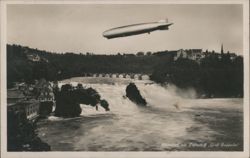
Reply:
x=170, y=118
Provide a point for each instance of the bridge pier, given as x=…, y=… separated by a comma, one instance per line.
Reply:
x=124, y=75
x=132, y=76
x=140, y=77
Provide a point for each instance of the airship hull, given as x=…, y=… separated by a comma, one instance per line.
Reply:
x=135, y=29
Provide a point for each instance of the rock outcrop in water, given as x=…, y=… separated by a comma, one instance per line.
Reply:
x=68, y=100
x=105, y=104
x=134, y=95
x=21, y=134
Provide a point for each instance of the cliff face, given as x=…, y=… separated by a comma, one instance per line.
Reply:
x=134, y=95
x=21, y=134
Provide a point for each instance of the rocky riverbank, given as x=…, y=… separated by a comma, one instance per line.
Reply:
x=22, y=135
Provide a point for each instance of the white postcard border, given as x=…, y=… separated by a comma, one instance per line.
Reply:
x=211, y=154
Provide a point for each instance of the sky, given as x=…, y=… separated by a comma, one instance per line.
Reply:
x=78, y=28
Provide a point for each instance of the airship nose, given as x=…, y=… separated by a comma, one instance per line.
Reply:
x=104, y=33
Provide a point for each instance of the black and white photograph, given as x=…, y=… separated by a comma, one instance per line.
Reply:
x=125, y=77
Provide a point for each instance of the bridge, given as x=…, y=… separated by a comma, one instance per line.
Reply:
x=138, y=76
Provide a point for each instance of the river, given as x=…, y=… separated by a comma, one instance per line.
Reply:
x=173, y=120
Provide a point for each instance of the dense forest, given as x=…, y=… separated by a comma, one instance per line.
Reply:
x=216, y=75
x=213, y=77
x=54, y=66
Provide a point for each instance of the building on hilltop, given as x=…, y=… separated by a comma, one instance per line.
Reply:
x=231, y=56
x=192, y=54
x=180, y=54
x=34, y=57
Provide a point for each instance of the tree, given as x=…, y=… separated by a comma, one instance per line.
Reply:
x=139, y=54
x=149, y=53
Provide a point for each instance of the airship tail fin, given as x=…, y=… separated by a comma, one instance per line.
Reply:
x=164, y=20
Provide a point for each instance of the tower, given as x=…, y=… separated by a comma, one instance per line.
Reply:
x=222, y=51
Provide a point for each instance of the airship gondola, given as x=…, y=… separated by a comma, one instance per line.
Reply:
x=136, y=29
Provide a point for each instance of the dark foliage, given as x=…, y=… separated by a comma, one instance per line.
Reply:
x=45, y=108
x=21, y=134
x=134, y=95
x=54, y=66
x=213, y=77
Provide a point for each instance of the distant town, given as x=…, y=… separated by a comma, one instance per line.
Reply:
x=192, y=54
x=33, y=99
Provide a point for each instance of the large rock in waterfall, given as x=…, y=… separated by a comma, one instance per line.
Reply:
x=105, y=104
x=68, y=100
x=66, y=104
x=134, y=95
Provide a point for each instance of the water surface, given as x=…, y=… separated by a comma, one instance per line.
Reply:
x=173, y=120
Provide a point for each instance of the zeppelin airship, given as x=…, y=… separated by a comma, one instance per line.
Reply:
x=136, y=29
